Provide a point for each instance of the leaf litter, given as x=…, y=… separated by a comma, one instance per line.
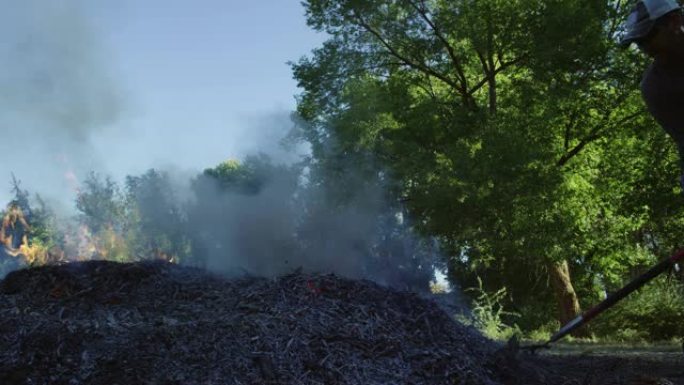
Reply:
x=100, y=322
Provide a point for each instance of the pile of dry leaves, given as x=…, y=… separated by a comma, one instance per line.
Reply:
x=101, y=322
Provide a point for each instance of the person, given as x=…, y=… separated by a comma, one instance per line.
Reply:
x=657, y=28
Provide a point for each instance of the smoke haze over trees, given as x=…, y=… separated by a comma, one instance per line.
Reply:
x=503, y=142
x=253, y=217
x=513, y=131
x=60, y=95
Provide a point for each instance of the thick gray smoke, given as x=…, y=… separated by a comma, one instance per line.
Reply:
x=55, y=92
x=245, y=227
x=58, y=95
x=341, y=224
x=281, y=226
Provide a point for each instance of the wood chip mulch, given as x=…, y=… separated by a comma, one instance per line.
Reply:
x=108, y=323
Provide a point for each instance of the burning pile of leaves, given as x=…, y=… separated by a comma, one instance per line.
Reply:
x=102, y=322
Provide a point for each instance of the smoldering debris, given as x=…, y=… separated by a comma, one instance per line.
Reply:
x=102, y=322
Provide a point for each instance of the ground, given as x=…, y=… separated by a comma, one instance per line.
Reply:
x=100, y=322
x=594, y=364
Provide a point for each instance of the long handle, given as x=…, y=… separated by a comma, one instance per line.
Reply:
x=617, y=296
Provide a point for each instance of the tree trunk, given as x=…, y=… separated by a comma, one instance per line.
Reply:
x=491, y=65
x=492, y=93
x=566, y=297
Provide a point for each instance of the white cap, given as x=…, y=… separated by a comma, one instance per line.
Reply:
x=643, y=16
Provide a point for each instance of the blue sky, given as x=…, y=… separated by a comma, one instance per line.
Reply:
x=121, y=86
x=204, y=75
x=222, y=54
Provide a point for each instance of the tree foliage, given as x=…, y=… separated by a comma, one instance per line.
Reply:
x=30, y=232
x=101, y=203
x=513, y=129
x=156, y=217
x=242, y=215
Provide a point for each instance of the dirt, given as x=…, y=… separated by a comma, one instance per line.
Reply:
x=157, y=323
x=617, y=366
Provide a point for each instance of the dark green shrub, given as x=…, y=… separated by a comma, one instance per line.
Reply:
x=654, y=313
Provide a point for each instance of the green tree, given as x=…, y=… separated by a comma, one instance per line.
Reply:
x=45, y=227
x=241, y=216
x=101, y=204
x=157, y=221
x=15, y=219
x=349, y=217
x=511, y=128
x=106, y=215
x=30, y=228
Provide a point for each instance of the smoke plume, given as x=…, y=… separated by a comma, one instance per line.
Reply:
x=58, y=95
x=55, y=93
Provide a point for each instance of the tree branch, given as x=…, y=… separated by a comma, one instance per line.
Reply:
x=616, y=22
x=503, y=67
x=450, y=50
x=408, y=62
x=593, y=136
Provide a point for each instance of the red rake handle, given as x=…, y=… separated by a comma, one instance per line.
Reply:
x=617, y=296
